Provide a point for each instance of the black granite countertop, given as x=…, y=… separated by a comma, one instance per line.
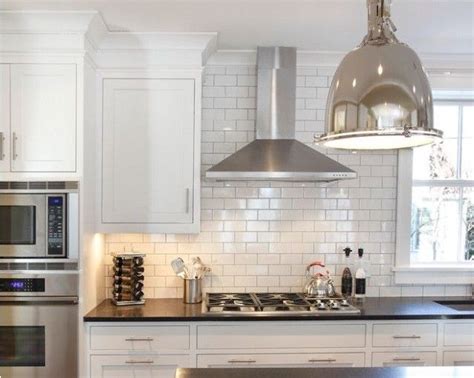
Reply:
x=398, y=372
x=384, y=308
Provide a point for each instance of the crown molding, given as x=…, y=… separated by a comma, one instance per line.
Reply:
x=85, y=32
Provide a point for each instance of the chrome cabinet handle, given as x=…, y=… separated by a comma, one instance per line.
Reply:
x=322, y=360
x=2, y=139
x=15, y=138
x=407, y=337
x=406, y=359
x=139, y=361
x=139, y=339
x=241, y=361
x=187, y=200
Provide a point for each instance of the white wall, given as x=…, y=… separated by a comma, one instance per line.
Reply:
x=259, y=236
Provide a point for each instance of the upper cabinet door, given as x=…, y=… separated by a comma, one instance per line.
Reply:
x=43, y=118
x=148, y=151
x=4, y=118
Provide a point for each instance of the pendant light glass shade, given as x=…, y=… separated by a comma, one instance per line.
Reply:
x=380, y=97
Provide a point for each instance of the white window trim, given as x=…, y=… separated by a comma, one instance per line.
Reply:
x=404, y=271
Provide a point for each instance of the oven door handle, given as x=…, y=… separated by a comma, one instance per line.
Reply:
x=62, y=299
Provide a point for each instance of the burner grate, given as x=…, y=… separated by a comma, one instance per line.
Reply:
x=281, y=300
x=268, y=303
x=230, y=302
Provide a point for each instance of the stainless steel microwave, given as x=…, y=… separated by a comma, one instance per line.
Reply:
x=38, y=225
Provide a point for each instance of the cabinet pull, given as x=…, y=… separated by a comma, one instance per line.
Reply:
x=407, y=337
x=15, y=138
x=241, y=361
x=139, y=361
x=139, y=339
x=2, y=139
x=187, y=200
x=322, y=360
x=406, y=359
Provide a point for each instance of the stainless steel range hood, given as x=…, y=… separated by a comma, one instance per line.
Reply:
x=275, y=154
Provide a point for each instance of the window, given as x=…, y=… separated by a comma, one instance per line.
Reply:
x=442, y=206
x=435, y=210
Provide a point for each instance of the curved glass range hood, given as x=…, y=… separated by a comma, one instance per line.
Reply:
x=380, y=97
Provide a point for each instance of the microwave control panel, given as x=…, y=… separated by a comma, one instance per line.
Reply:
x=56, y=226
x=23, y=285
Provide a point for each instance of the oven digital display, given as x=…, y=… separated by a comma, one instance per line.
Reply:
x=55, y=201
x=21, y=284
x=17, y=284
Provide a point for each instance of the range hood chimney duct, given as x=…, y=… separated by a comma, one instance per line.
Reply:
x=276, y=154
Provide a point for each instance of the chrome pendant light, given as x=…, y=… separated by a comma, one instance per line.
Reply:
x=380, y=97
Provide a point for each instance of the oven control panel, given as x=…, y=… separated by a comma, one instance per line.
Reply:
x=22, y=285
x=56, y=225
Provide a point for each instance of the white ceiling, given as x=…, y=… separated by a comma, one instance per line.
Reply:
x=429, y=26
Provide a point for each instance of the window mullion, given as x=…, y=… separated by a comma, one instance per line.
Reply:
x=459, y=175
x=460, y=222
x=459, y=142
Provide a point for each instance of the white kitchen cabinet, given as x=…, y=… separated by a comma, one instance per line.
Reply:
x=459, y=334
x=458, y=358
x=140, y=338
x=397, y=335
x=4, y=118
x=149, y=174
x=281, y=360
x=311, y=343
x=387, y=359
x=143, y=366
x=298, y=335
x=43, y=117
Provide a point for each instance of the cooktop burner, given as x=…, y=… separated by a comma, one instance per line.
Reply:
x=276, y=303
x=230, y=302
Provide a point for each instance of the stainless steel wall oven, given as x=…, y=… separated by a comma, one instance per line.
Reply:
x=38, y=325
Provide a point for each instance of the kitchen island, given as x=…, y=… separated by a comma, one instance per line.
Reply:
x=399, y=372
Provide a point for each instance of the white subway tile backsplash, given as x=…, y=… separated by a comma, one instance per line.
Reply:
x=259, y=236
x=247, y=80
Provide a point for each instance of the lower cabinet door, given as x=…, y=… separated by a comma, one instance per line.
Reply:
x=458, y=358
x=281, y=360
x=143, y=366
x=404, y=359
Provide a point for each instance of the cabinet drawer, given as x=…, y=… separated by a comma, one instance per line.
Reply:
x=140, y=338
x=404, y=359
x=282, y=360
x=281, y=336
x=405, y=335
x=143, y=366
x=459, y=334
x=459, y=358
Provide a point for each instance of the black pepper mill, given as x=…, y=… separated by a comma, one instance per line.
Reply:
x=346, y=284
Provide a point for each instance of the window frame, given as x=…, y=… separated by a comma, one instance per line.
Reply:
x=406, y=272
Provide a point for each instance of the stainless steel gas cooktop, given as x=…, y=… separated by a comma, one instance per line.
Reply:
x=259, y=304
